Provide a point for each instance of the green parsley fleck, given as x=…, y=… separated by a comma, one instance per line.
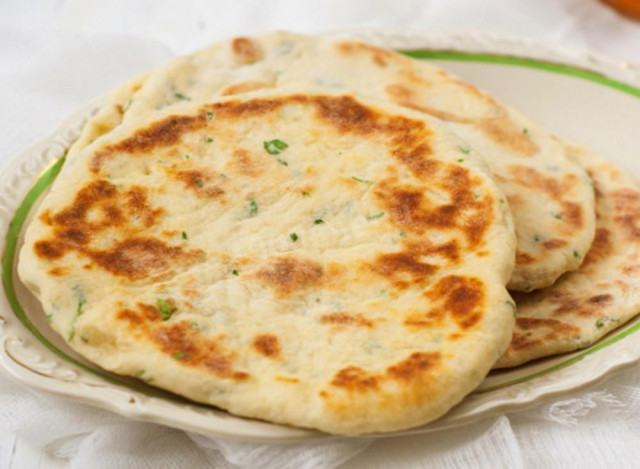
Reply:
x=306, y=194
x=282, y=162
x=600, y=322
x=199, y=183
x=526, y=132
x=576, y=254
x=465, y=150
x=318, y=221
x=294, y=237
x=209, y=115
x=49, y=317
x=557, y=216
x=178, y=356
x=363, y=181
x=184, y=235
x=377, y=215
x=139, y=373
x=188, y=157
x=460, y=160
x=84, y=338
x=275, y=146
x=253, y=208
x=536, y=238
x=182, y=97
x=208, y=139
x=127, y=105
x=166, y=309
x=235, y=272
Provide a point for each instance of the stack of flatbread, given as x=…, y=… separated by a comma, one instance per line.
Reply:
x=319, y=232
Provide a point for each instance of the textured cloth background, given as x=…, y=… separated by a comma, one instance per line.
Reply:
x=56, y=55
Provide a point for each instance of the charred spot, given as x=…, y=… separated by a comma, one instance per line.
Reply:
x=554, y=243
x=403, y=269
x=162, y=133
x=503, y=132
x=414, y=367
x=531, y=332
x=522, y=258
x=572, y=214
x=267, y=344
x=137, y=205
x=347, y=115
x=378, y=56
x=626, y=205
x=344, y=319
x=245, y=50
x=49, y=250
x=600, y=248
x=462, y=297
x=199, y=182
x=582, y=307
x=58, y=271
x=94, y=193
x=600, y=299
x=287, y=275
x=353, y=378
x=406, y=97
x=244, y=87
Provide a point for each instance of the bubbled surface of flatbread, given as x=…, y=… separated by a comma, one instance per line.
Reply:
x=352, y=281
x=551, y=198
x=603, y=293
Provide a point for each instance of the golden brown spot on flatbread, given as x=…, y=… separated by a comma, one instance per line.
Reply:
x=58, y=271
x=522, y=258
x=626, y=206
x=244, y=87
x=503, y=132
x=590, y=307
x=600, y=249
x=162, y=133
x=245, y=50
x=410, y=209
x=378, y=56
x=414, y=367
x=463, y=298
x=403, y=269
x=267, y=345
x=199, y=182
x=344, y=319
x=287, y=275
x=405, y=97
x=353, y=378
x=287, y=379
x=246, y=163
x=98, y=207
x=531, y=332
x=554, y=243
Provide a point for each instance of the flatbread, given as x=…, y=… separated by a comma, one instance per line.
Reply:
x=603, y=293
x=302, y=257
x=551, y=198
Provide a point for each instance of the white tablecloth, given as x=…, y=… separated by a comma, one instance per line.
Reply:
x=56, y=55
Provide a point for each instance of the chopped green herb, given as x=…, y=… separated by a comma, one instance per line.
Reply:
x=166, y=309
x=184, y=235
x=182, y=97
x=377, y=215
x=318, y=221
x=363, y=181
x=526, y=132
x=127, y=105
x=294, y=237
x=253, y=208
x=209, y=115
x=275, y=146
x=84, y=338
x=465, y=150
x=460, y=160
x=195, y=325
x=139, y=373
x=178, y=356
x=72, y=332
x=208, y=139
x=187, y=157
x=306, y=194
x=557, y=216
x=199, y=183
x=235, y=272
x=600, y=322
x=536, y=238
x=576, y=254
x=49, y=317
x=282, y=162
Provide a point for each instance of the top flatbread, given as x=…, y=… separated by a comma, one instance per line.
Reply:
x=603, y=293
x=303, y=257
x=551, y=198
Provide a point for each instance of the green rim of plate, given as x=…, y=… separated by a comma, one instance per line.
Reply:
x=50, y=174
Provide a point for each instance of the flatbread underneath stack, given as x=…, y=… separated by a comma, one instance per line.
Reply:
x=604, y=293
x=298, y=256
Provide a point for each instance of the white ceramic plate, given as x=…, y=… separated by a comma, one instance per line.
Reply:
x=578, y=97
